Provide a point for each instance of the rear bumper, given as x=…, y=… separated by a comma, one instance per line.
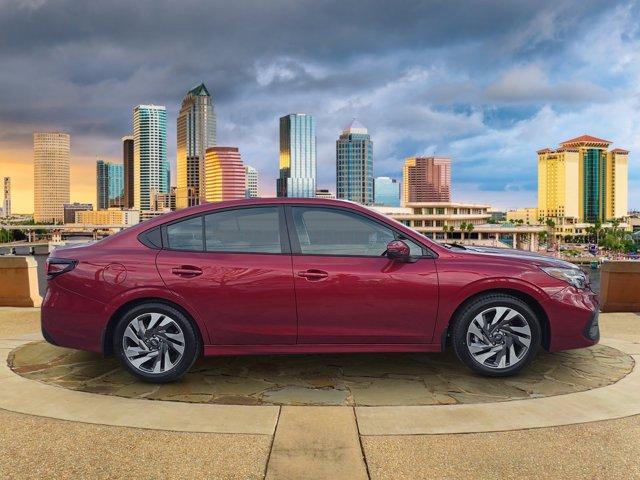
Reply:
x=573, y=319
x=68, y=319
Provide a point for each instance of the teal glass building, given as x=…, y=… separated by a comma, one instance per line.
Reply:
x=297, y=156
x=354, y=165
x=594, y=164
x=150, y=164
x=109, y=185
x=386, y=192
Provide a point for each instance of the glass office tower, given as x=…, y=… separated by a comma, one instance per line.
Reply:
x=196, y=131
x=109, y=185
x=297, y=156
x=354, y=164
x=150, y=165
x=387, y=192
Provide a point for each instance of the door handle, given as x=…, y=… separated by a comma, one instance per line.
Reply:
x=313, y=274
x=186, y=271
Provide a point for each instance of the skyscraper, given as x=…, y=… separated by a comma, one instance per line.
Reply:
x=426, y=179
x=150, y=165
x=6, y=205
x=51, y=159
x=225, y=174
x=387, y=192
x=109, y=185
x=354, y=164
x=252, y=181
x=582, y=181
x=116, y=185
x=297, y=156
x=127, y=162
x=102, y=185
x=196, y=131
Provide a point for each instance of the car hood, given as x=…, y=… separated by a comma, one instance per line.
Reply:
x=517, y=255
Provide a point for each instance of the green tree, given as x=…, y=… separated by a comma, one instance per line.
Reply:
x=463, y=228
x=470, y=228
x=5, y=236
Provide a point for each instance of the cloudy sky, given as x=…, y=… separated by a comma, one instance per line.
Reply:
x=485, y=82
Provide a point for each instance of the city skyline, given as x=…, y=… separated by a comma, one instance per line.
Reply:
x=417, y=95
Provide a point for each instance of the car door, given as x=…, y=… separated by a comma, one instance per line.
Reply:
x=347, y=291
x=234, y=267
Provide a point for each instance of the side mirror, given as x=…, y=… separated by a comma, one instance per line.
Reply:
x=398, y=250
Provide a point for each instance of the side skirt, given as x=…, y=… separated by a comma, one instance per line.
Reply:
x=212, y=350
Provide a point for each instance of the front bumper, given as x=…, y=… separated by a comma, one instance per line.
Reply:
x=573, y=319
x=592, y=331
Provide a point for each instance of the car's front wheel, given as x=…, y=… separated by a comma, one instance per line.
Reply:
x=496, y=335
x=155, y=342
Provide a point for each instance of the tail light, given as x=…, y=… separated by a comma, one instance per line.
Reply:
x=58, y=266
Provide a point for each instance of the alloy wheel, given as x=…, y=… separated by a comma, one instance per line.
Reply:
x=153, y=343
x=498, y=337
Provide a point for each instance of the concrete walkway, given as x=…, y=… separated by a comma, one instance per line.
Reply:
x=317, y=442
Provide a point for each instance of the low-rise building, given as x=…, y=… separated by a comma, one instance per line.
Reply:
x=444, y=221
x=70, y=210
x=324, y=193
x=149, y=214
x=111, y=216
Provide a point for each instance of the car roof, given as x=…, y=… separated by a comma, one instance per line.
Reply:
x=206, y=207
x=244, y=202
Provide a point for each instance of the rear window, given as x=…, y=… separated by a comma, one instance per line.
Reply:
x=245, y=230
x=186, y=235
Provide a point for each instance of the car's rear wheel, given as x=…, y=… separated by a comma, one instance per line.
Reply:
x=156, y=342
x=496, y=335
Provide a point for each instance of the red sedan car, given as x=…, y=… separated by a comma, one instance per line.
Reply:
x=265, y=276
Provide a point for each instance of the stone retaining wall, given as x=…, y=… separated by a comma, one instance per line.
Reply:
x=19, y=282
x=620, y=287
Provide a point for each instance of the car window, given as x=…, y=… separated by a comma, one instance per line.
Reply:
x=245, y=230
x=186, y=235
x=323, y=231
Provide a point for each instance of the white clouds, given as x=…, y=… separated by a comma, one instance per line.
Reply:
x=531, y=84
x=486, y=83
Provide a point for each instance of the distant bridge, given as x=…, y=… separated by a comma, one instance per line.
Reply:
x=86, y=227
x=58, y=232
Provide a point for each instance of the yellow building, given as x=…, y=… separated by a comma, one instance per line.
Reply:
x=529, y=216
x=583, y=182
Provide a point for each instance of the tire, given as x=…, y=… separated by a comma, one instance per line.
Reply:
x=493, y=348
x=155, y=327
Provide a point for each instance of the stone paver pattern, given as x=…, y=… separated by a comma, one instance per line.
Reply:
x=349, y=380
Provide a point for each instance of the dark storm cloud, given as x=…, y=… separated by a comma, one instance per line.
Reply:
x=419, y=74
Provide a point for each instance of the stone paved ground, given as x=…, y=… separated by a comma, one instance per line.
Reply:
x=34, y=447
x=367, y=379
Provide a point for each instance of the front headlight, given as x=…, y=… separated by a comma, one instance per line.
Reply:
x=573, y=276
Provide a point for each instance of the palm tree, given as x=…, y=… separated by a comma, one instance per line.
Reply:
x=470, y=229
x=463, y=228
x=550, y=226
